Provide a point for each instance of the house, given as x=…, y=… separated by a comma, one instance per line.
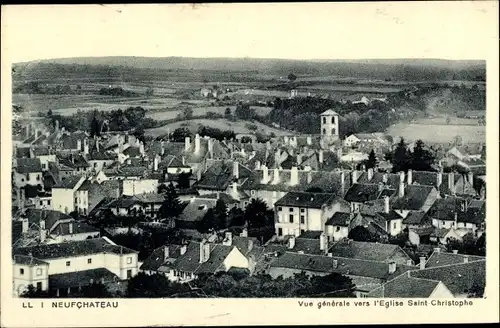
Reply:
x=442, y=235
x=366, y=275
x=99, y=160
x=151, y=202
x=414, y=198
x=74, y=164
x=194, y=212
x=64, y=194
x=309, y=242
x=186, y=262
x=337, y=226
x=44, y=154
x=297, y=212
x=373, y=139
x=173, y=165
x=370, y=252
x=27, y=171
x=133, y=187
x=465, y=152
x=358, y=194
x=71, y=264
x=125, y=205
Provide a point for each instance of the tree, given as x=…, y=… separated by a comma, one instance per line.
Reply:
x=171, y=206
x=371, y=163
x=95, y=290
x=421, y=159
x=400, y=157
x=258, y=215
x=292, y=77
x=153, y=286
x=49, y=113
x=32, y=292
x=187, y=113
x=183, y=181
x=236, y=217
x=149, y=91
x=95, y=128
x=476, y=291
x=227, y=113
x=220, y=214
x=208, y=222
x=180, y=134
x=360, y=233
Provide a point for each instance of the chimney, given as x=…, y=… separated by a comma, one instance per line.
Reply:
x=309, y=177
x=187, y=143
x=309, y=140
x=451, y=182
x=141, y=148
x=244, y=232
x=265, y=174
x=320, y=156
x=197, y=144
x=277, y=157
x=198, y=174
x=86, y=146
x=70, y=228
x=470, y=178
x=258, y=165
x=268, y=145
x=422, y=262
x=79, y=145
x=291, y=242
x=335, y=263
x=410, y=176
x=342, y=183
x=354, y=177
x=43, y=232
x=370, y=174
x=286, y=139
x=323, y=242
x=455, y=218
x=211, y=147
x=37, y=133
x=392, y=267
x=409, y=262
x=386, y=204
x=235, y=187
x=183, y=249
x=294, y=176
x=156, y=162
x=236, y=170
x=401, y=185
x=466, y=259
x=204, y=251
x=439, y=179
x=25, y=225
x=228, y=239
x=276, y=176
x=339, y=152
x=57, y=126
x=97, y=145
x=384, y=178
x=299, y=159
x=455, y=251
x=183, y=160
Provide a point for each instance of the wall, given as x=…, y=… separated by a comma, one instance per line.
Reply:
x=30, y=276
x=43, y=202
x=395, y=226
x=443, y=223
x=74, y=237
x=33, y=179
x=441, y=291
x=98, y=165
x=139, y=186
x=336, y=232
x=413, y=238
x=351, y=140
x=126, y=211
x=275, y=272
x=83, y=201
x=177, y=170
x=63, y=200
x=45, y=159
x=235, y=259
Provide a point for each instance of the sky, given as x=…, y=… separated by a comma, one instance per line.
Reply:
x=448, y=30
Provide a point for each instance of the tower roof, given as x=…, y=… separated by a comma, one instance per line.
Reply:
x=329, y=112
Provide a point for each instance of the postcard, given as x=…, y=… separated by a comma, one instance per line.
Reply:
x=249, y=164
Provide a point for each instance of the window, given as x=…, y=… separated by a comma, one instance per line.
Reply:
x=95, y=164
x=129, y=273
x=280, y=233
x=324, y=131
x=89, y=261
x=39, y=285
x=129, y=260
x=38, y=178
x=333, y=131
x=39, y=271
x=76, y=200
x=291, y=209
x=68, y=263
x=302, y=219
x=41, y=203
x=291, y=218
x=21, y=271
x=302, y=231
x=280, y=209
x=337, y=228
x=394, y=225
x=48, y=202
x=324, y=120
x=252, y=192
x=302, y=210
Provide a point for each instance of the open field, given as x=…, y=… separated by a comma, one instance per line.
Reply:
x=222, y=124
x=438, y=133
x=442, y=121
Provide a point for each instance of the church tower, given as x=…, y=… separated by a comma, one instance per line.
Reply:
x=330, y=125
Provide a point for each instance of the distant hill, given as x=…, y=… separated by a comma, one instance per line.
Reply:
x=394, y=69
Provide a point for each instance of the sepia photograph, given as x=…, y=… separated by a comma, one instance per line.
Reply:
x=167, y=165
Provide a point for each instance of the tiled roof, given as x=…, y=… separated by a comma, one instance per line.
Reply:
x=305, y=199
x=81, y=278
x=190, y=261
x=102, y=156
x=23, y=152
x=307, y=246
x=405, y=286
x=339, y=219
x=62, y=228
x=74, y=161
x=68, y=182
x=196, y=209
x=423, y=231
x=227, y=199
x=458, y=278
x=441, y=258
x=28, y=165
x=72, y=249
x=330, y=112
x=132, y=152
x=41, y=151
x=34, y=216
x=157, y=257
x=378, y=177
x=415, y=218
x=414, y=198
x=124, y=202
x=361, y=193
x=346, y=266
x=364, y=250
x=150, y=198
x=28, y=260
x=220, y=174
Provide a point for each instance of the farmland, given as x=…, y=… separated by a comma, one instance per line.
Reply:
x=222, y=124
x=438, y=133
